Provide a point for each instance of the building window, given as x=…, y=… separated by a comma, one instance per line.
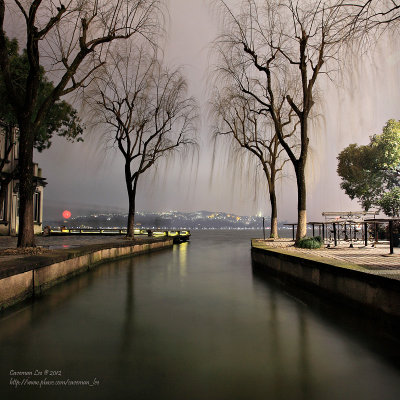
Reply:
x=36, y=207
x=16, y=196
x=3, y=209
x=2, y=144
x=16, y=151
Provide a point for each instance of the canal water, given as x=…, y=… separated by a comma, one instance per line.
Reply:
x=195, y=322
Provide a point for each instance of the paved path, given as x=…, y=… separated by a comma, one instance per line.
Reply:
x=375, y=260
x=49, y=243
x=7, y=242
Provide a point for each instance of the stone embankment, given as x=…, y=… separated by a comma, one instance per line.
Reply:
x=365, y=277
x=28, y=273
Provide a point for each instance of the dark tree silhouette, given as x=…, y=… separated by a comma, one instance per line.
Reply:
x=238, y=120
x=73, y=39
x=284, y=46
x=146, y=110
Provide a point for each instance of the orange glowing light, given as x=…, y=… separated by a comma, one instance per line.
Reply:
x=66, y=214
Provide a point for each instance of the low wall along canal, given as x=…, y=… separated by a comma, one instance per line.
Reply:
x=332, y=278
x=29, y=276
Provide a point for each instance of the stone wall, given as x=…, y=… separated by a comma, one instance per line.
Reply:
x=374, y=292
x=16, y=287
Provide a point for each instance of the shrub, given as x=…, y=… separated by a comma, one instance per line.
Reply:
x=310, y=242
x=318, y=239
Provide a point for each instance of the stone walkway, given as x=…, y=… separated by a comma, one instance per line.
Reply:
x=7, y=242
x=48, y=243
x=375, y=260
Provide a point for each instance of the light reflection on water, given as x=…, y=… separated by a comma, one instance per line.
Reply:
x=194, y=323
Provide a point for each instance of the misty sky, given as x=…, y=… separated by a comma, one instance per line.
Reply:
x=84, y=174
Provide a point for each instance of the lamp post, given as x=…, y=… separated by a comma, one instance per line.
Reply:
x=264, y=227
x=391, y=236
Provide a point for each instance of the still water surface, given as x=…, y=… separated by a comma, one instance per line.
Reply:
x=193, y=323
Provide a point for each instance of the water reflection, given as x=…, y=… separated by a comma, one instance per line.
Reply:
x=380, y=335
x=276, y=349
x=129, y=310
x=178, y=263
x=287, y=334
x=304, y=361
x=33, y=311
x=183, y=249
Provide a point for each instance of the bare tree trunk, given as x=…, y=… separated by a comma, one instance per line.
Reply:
x=270, y=174
x=131, y=217
x=301, y=201
x=26, y=236
x=274, y=212
x=130, y=232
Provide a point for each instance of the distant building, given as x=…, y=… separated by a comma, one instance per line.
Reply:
x=9, y=210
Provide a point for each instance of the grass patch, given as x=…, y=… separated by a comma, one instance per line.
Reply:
x=310, y=243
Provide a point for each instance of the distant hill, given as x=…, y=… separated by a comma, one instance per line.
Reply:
x=165, y=220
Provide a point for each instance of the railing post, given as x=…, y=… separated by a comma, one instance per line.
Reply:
x=334, y=234
x=391, y=236
x=264, y=227
x=351, y=238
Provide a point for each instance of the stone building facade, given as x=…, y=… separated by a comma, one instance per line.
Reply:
x=9, y=210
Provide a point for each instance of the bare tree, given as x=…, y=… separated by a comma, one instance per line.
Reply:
x=369, y=14
x=242, y=94
x=147, y=112
x=286, y=41
x=73, y=38
x=237, y=119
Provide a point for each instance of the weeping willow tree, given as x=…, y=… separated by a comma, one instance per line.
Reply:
x=238, y=121
x=282, y=48
x=72, y=39
x=146, y=111
x=370, y=14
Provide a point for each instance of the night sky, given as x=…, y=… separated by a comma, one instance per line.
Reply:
x=85, y=176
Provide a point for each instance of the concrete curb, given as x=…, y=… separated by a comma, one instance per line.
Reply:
x=32, y=275
x=332, y=279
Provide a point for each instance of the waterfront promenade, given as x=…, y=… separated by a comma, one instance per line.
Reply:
x=375, y=260
x=372, y=260
x=366, y=277
x=58, y=257
x=81, y=240
x=27, y=272
x=48, y=244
